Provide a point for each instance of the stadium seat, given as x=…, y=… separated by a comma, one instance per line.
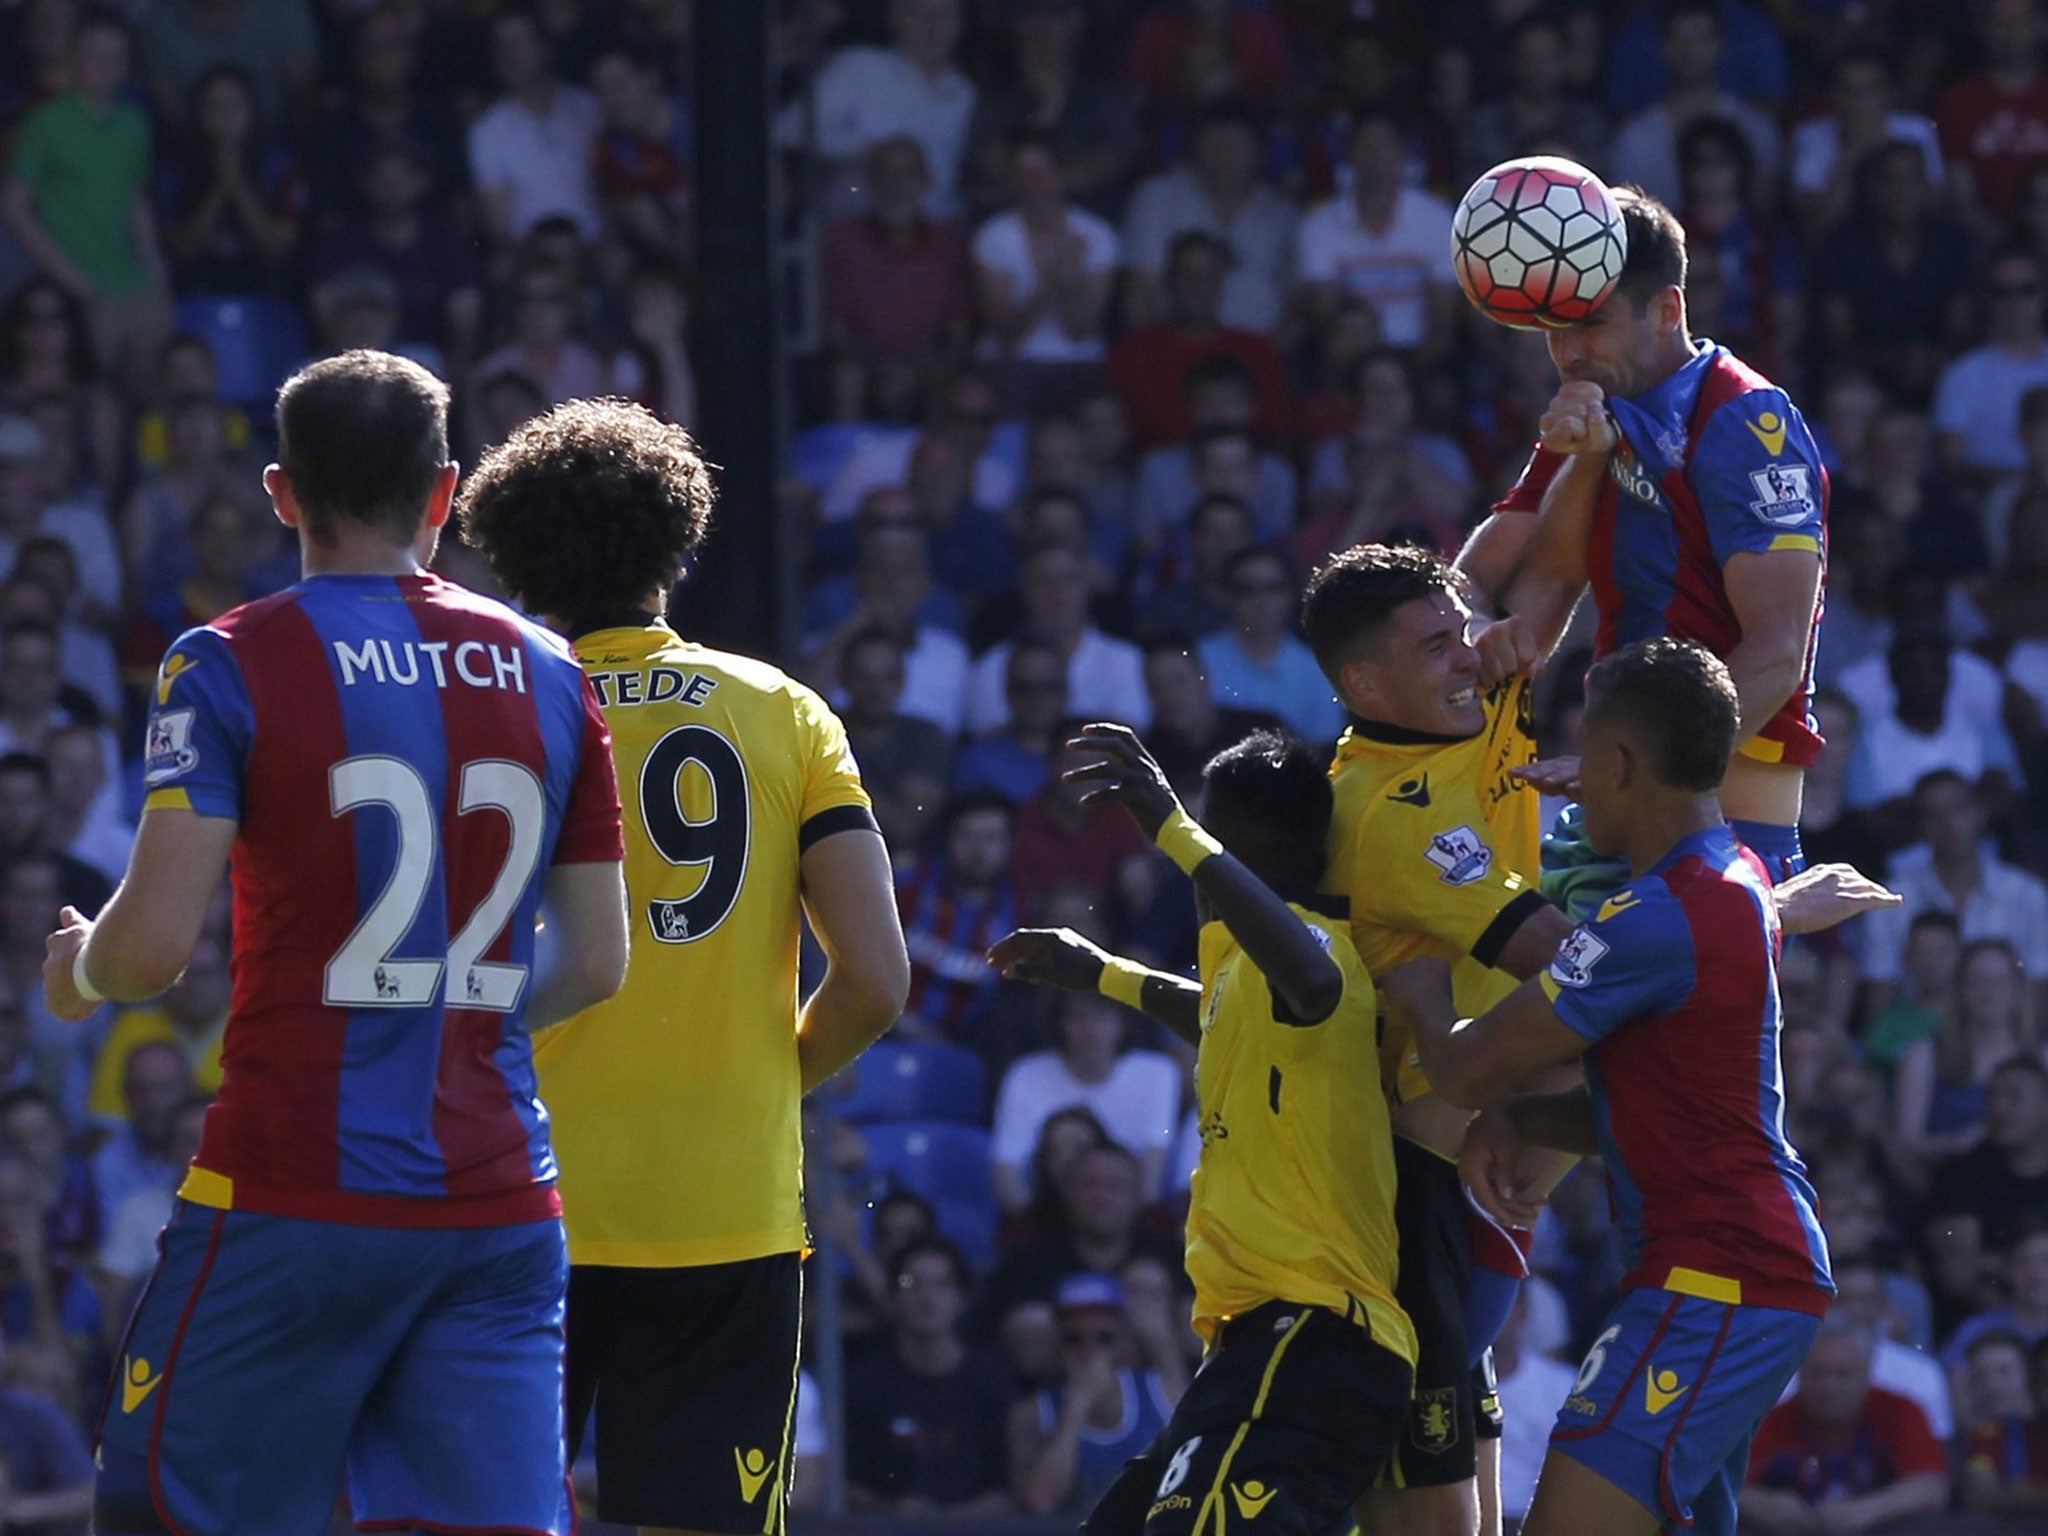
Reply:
x=933, y=1158
x=915, y=1080
x=819, y=453
x=257, y=340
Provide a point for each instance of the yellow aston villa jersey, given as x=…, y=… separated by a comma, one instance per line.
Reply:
x=1293, y=1197
x=676, y=1103
x=1436, y=849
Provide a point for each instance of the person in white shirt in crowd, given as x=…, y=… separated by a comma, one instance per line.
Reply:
x=865, y=94
x=1383, y=241
x=1645, y=149
x=128, y=1250
x=1134, y=1093
x=1861, y=114
x=42, y=589
x=1043, y=270
x=530, y=151
x=1225, y=458
x=1955, y=869
x=892, y=581
x=26, y=511
x=1105, y=676
x=1925, y=704
x=1220, y=191
x=965, y=415
x=85, y=821
x=33, y=705
x=1977, y=398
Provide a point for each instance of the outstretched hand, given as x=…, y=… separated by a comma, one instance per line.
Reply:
x=1125, y=773
x=1055, y=957
x=1828, y=894
x=1551, y=776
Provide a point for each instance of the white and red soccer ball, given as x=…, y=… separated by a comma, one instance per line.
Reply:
x=1538, y=243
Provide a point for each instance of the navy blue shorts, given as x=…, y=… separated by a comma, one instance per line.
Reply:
x=1670, y=1397
x=272, y=1361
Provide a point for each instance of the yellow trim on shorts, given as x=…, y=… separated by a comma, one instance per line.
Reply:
x=1695, y=1282
x=1214, y=1498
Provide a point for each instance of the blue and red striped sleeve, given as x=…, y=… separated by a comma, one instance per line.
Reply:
x=201, y=725
x=1634, y=959
x=591, y=829
x=1758, y=476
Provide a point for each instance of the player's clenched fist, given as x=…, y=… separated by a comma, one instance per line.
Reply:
x=1508, y=647
x=1577, y=421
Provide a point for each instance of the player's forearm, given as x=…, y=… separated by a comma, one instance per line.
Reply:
x=1492, y=557
x=1172, y=1001
x=1553, y=570
x=1561, y=1121
x=849, y=1012
x=1765, y=670
x=20, y=208
x=1283, y=947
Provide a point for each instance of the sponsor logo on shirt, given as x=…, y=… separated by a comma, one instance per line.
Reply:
x=1784, y=494
x=1769, y=429
x=169, y=752
x=1635, y=481
x=1576, y=957
x=1461, y=854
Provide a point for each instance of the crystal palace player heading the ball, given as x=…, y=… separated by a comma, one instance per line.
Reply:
x=1686, y=488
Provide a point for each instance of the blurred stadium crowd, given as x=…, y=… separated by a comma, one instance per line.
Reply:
x=1111, y=320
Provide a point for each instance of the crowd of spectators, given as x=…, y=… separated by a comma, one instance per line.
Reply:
x=1113, y=319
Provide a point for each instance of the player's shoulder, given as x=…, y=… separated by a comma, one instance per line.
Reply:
x=1644, y=919
x=1745, y=418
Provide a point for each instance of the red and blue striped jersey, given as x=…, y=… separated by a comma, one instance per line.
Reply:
x=1713, y=462
x=1674, y=982
x=403, y=760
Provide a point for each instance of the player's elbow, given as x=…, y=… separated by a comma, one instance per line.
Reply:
x=1313, y=997
x=876, y=986
x=595, y=972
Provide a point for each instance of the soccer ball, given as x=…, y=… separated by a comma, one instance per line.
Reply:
x=1538, y=243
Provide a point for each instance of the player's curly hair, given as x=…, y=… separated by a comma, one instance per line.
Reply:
x=1353, y=593
x=1678, y=701
x=1268, y=800
x=583, y=512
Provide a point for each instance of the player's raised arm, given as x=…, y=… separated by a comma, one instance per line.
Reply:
x=1060, y=957
x=1284, y=948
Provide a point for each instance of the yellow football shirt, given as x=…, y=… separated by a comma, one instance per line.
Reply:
x=1437, y=851
x=1293, y=1195
x=676, y=1104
